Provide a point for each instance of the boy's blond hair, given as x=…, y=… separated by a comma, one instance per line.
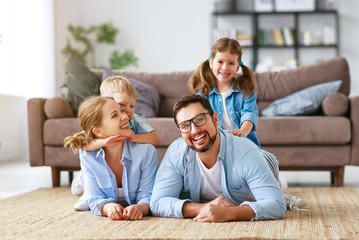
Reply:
x=117, y=84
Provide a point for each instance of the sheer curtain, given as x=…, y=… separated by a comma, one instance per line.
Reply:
x=27, y=48
x=26, y=69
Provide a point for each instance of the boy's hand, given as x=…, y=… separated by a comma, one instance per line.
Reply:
x=113, y=140
x=129, y=134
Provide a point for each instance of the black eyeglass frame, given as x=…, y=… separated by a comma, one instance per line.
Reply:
x=191, y=120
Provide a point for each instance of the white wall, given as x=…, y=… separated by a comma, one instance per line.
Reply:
x=165, y=35
x=349, y=48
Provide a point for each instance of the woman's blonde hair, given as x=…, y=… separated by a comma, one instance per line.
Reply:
x=203, y=79
x=117, y=84
x=90, y=116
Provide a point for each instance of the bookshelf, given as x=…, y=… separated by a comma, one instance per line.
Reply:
x=279, y=31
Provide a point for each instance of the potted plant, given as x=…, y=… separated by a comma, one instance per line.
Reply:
x=105, y=33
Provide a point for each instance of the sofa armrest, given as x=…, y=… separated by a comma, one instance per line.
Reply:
x=354, y=117
x=36, y=119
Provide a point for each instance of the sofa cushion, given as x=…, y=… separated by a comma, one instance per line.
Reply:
x=167, y=130
x=303, y=102
x=274, y=85
x=56, y=130
x=148, y=97
x=58, y=107
x=335, y=104
x=79, y=83
x=308, y=130
x=308, y=156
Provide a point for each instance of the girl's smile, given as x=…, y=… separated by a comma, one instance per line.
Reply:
x=224, y=67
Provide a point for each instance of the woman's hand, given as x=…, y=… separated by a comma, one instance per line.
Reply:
x=132, y=213
x=113, y=211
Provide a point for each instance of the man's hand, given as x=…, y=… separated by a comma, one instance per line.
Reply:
x=114, y=211
x=214, y=213
x=221, y=202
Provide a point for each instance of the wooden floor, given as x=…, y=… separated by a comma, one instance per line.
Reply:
x=19, y=177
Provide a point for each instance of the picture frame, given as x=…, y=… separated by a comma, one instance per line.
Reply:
x=294, y=5
x=263, y=5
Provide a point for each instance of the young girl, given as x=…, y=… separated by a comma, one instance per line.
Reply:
x=114, y=176
x=232, y=96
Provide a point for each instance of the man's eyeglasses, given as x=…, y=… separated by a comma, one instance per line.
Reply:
x=198, y=120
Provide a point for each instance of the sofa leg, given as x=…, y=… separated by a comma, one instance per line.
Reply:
x=55, y=177
x=71, y=176
x=340, y=177
x=332, y=178
x=337, y=177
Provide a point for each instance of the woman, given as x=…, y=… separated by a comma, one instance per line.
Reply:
x=114, y=176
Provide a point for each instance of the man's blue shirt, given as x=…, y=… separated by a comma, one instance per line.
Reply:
x=245, y=178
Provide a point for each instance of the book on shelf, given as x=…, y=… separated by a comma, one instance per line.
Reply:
x=287, y=37
x=276, y=37
x=245, y=39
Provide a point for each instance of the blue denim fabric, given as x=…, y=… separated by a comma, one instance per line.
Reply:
x=239, y=109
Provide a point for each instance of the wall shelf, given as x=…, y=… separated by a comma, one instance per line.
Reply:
x=294, y=25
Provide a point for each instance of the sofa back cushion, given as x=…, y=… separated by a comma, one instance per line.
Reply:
x=273, y=85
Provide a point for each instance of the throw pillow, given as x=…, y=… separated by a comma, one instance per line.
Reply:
x=148, y=97
x=79, y=83
x=335, y=104
x=58, y=107
x=303, y=102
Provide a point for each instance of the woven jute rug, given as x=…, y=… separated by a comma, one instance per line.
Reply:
x=333, y=213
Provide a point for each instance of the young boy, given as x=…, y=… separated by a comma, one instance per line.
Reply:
x=140, y=131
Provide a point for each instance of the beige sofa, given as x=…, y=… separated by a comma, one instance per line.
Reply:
x=324, y=141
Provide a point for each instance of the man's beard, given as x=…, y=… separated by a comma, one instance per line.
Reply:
x=206, y=147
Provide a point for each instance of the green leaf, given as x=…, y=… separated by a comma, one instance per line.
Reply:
x=120, y=60
x=106, y=33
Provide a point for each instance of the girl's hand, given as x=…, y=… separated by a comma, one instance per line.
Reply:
x=245, y=129
x=240, y=132
x=113, y=211
x=113, y=140
x=132, y=213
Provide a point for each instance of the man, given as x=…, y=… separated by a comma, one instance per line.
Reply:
x=211, y=175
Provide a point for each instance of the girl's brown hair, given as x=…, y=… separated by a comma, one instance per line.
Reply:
x=90, y=116
x=204, y=80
